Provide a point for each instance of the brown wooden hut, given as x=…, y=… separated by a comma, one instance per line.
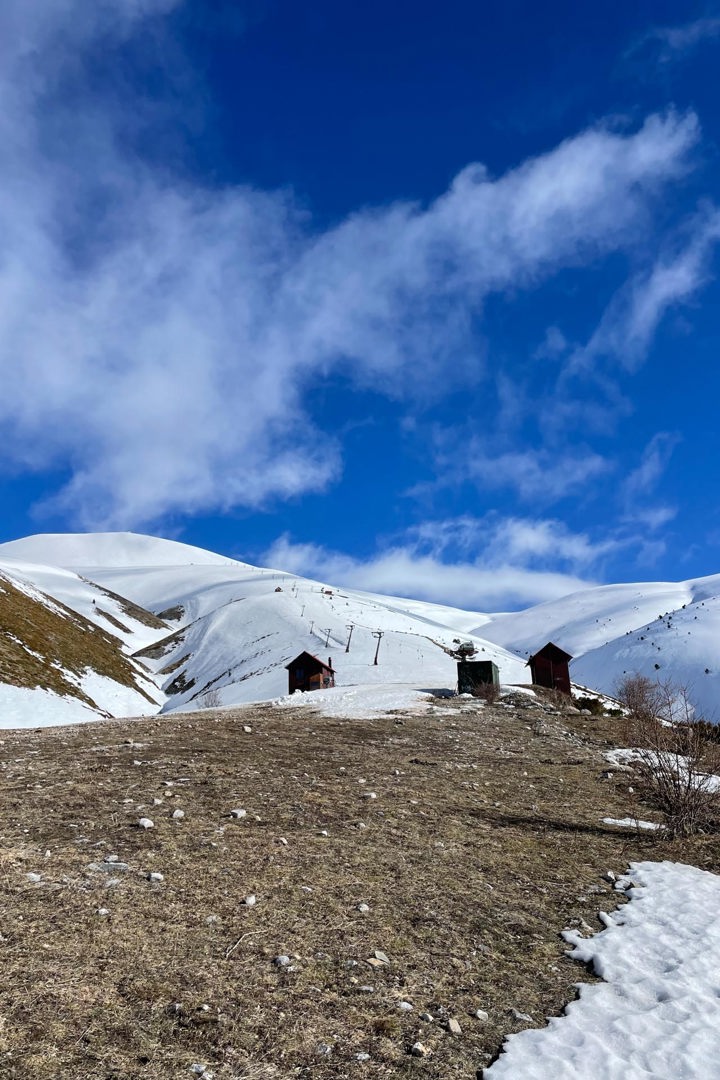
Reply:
x=549, y=668
x=306, y=672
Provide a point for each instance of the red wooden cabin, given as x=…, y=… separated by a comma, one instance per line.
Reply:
x=549, y=668
x=306, y=672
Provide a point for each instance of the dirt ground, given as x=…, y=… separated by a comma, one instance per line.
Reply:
x=473, y=834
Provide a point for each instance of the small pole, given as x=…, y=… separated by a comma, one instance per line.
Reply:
x=328, y=632
x=351, y=627
x=312, y=624
x=378, y=634
x=302, y=612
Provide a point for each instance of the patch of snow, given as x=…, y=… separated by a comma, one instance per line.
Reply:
x=632, y=823
x=21, y=707
x=628, y=755
x=658, y=1012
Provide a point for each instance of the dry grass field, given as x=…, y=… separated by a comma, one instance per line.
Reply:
x=483, y=841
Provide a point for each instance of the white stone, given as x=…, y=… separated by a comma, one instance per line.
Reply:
x=102, y=911
x=250, y=901
x=178, y=815
x=247, y=729
x=282, y=961
x=146, y=823
x=405, y=1006
x=363, y=908
x=238, y=813
x=155, y=876
x=34, y=878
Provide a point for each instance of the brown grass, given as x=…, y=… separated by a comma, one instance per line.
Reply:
x=484, y=841
x=39, y=643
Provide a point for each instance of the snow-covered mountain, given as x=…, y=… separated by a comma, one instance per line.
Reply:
x=665, y=630
x=223, y=630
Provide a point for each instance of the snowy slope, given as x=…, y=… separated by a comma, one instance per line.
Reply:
x=133, y=626
x=233, y=632
x=56, y=666
x=681, y=646
x=107, y=549
x=666, y=630
x=240, y=632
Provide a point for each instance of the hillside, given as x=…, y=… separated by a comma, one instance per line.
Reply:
x=484, y=839
x=213, y=630
x=661, y=629
x=58, y=666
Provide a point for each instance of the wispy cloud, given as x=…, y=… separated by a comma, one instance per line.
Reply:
x=632, y=318
x=483, y=564
x=675, y=42
x=158, y=337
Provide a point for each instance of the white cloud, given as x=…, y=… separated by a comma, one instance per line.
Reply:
x=632, y=318
x=542, y=476
x=158, y=338
x=674, y=42
x=642, y=481
x=484, y=564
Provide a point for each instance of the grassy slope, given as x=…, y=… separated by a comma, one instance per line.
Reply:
x=487, y=844
x=59, y=640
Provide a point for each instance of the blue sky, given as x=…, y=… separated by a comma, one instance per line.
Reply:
x=417, y=298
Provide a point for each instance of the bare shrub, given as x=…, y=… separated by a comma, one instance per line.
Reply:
x=487, y=692
x=210, y=699
x=677, y=762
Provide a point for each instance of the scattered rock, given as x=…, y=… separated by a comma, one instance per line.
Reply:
x=419, y=1049
x=453, y=1026
x=427, y=1018
x=363, y=908
x=282, y=961
x=282, y=840
x=102, y=911
x=247, y=729
x=178, y=815
x=111, y=859
x=34, y=878
x=109, y=867
x=250, y=901
x=238, y=813
x=405, y=1006
x=480, y=1015
x=362, y=1056
x=146, y=823
x=323, y=832
x=368, y=795
x=155, y=876
x=381, y=956
x=367, y=989
x=525, y=1017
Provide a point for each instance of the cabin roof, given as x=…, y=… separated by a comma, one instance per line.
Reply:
x=303, y=655
x=551, y=652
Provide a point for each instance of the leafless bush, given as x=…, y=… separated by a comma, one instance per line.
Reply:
x=210, y=699
x=677, y=762
x=487, y=692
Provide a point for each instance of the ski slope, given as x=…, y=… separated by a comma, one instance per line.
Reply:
x=228, y=629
